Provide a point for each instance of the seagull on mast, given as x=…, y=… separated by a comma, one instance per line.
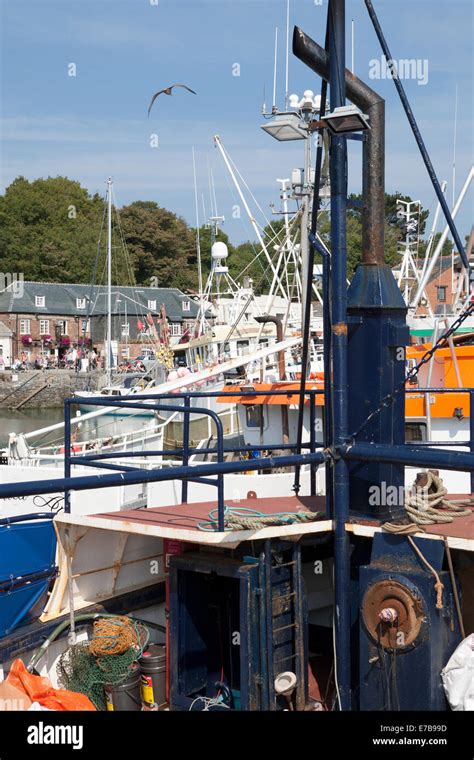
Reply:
x=167, y=91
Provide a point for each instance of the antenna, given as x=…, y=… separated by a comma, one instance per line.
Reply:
x=454, y=179
x=275, y=70
x=214, y=193
x=454, y=144
x=353, y=47
x=198, y=240
x=287, y=51
x=210, y=187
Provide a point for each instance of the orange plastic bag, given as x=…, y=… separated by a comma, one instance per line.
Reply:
x=39, y=689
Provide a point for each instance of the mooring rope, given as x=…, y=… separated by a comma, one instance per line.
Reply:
x=243, y=518
x=439, y=586
x=428, y=505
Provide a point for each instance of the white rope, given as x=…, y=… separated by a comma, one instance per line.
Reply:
x=428, y=505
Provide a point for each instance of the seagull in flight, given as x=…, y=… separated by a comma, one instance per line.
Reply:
x=167, y=91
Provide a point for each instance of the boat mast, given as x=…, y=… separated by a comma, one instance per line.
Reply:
x=250, y=216
x=109, y=280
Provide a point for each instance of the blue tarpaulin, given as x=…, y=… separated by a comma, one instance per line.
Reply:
x=27, y=565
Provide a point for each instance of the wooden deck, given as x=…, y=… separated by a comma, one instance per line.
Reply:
x=182, y=522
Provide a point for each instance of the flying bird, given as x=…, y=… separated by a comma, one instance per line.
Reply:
x=167, y=91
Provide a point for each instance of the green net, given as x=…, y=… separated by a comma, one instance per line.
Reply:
x=81, y=669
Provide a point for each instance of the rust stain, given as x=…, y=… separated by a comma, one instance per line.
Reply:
x=340, y=328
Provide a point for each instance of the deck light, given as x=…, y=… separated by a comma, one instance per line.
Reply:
x=346, y=119
x=285, y=127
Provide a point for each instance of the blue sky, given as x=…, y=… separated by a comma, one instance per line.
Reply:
x=95, y=124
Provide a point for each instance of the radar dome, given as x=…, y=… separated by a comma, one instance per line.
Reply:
x=219, y=251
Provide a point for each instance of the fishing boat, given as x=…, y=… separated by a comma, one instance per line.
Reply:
x=351, y=599
x=130, y=388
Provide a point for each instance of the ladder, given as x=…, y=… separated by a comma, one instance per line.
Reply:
x=285, y=619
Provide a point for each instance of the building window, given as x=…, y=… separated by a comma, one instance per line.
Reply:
x=125, y=330
x=254, y=416
x=39, y=301
x=442, y=293
x=44, y=326
x=24, y=326
x=242, y=347
x=80, y=303
x=175, y=329
x=415, y=432
x=61, y=326
x=152, y=305
x=85, y=325
x=186, y=305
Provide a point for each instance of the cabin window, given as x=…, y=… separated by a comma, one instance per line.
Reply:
x=44, y=326
x=442, y=293
x=152, y=305
x=242, y=347
x=24, y=326
x=415, y=432
x=39, y=301
x=80, y=303
x=254, y=416
x=186, y=306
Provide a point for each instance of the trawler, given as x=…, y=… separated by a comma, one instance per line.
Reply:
x=331, y=601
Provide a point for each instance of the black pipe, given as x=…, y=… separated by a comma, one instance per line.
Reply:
x=266, y=319
x=414, y=126
x=373, y=150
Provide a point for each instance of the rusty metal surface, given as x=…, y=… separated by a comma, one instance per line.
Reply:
x=373, y=150
x=409, y=610
x=461, y=527
x=189, y=515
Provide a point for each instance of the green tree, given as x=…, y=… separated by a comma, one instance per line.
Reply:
x=160, y=245
x=49, y=229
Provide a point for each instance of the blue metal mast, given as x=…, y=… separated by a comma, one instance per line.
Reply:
x=338, y=177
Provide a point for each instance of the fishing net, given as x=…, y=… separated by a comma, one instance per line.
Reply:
x=106, y=658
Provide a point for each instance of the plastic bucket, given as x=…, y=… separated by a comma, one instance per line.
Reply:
x=153, y=674
x=126, y=694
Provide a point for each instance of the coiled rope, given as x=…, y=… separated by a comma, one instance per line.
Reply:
x=423, y=505
x=243, y=518
x=427, y=506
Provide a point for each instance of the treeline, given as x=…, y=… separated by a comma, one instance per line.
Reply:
x=55, y=230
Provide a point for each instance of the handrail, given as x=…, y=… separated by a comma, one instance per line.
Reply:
x=90, y=461
x=18, y=387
